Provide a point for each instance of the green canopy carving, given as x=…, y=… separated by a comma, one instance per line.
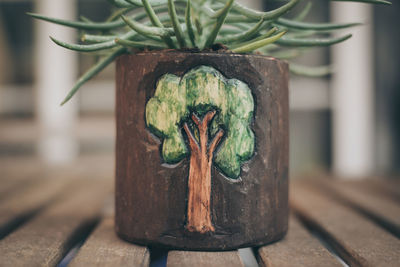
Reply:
x=199, y=91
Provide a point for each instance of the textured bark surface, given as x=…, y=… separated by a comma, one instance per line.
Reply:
x=152, y=198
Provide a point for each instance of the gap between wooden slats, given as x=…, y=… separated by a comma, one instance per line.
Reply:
x=104, y=248
x=204, y=259
x=299, y=248
x=383, y=211
x=355, y=238
x=45, y=239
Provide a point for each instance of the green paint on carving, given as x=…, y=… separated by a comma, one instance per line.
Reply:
x=200, y=90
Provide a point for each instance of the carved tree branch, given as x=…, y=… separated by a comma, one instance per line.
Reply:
x=207, y=118
x=196, y=120
x=214, y=143
x=194, y=146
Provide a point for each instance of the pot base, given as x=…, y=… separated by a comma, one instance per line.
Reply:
x=172, y=243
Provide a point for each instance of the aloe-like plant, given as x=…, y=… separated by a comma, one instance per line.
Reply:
x=138, y=25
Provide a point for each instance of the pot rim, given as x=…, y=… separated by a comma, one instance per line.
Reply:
x=204, y=53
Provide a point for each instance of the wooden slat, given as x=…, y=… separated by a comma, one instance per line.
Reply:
x=355, y=238
x=20, y=173
x=27, y=202
x=204, y=259
x=383, y=187
x=13, y=185
x=382, y=210
x=104, y=248
x=14, y=178
x=298, y=248
x=11, y=167
x=44, y=240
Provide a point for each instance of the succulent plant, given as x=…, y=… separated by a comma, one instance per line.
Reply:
x=137, y=25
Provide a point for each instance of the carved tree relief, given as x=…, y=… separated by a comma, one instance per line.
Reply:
x=207, y=117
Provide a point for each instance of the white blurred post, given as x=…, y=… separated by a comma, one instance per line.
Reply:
x=55, y=70
x=352, y=92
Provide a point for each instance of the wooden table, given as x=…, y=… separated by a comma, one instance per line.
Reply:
x=65, y=214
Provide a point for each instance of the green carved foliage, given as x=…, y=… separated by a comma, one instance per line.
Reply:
x=164, y=113
x=200, y=90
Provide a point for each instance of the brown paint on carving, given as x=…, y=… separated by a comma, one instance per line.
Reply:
x=199, y=212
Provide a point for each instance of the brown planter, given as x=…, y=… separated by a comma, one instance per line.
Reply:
x=159, y=199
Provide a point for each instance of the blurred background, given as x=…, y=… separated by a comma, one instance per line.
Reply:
x=347, y=123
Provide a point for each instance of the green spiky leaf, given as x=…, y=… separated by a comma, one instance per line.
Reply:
x=93, y=71
x=146, y=30
x=189, y=25
x=218, y=24
x=176, y=24
x=258, y=44
x=308, y=71
x=285, y=41
x=314, y=26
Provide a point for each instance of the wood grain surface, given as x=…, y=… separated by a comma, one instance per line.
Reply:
x=383, y=187
x=299, y=248
x=26, y=202
x=45, y=239
x=385, y=212
x=204, y=259
x=358, y=240
x=104, y=248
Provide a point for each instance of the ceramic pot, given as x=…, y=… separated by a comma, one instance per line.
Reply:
x=201, y=150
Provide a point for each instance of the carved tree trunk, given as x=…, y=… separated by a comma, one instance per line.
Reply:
x=199, y=212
